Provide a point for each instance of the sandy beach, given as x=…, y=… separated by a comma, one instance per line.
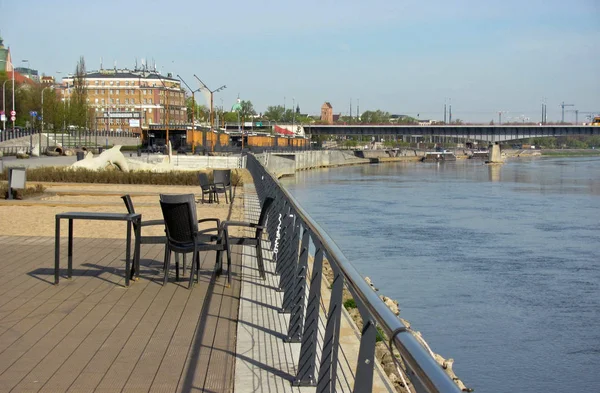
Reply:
x=36, y=216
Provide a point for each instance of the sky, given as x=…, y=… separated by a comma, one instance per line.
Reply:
x=409, y=57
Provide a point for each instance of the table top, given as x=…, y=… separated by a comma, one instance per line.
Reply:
x=100, y=216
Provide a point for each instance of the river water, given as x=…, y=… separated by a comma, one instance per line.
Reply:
x=497, y=266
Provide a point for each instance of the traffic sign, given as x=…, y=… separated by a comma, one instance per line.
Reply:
x=33, y=113
x=13, y=113
x=13, y=118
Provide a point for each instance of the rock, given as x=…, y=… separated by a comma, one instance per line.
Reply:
x=391, y=303
x=370, y=282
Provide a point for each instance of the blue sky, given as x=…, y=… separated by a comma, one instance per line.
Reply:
x=405, y=57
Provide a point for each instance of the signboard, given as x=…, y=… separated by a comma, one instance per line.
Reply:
x=3, y=117
x=122, y=115
x=13, y=118
x=134, y=122
x=33, y=113
x=13, y=113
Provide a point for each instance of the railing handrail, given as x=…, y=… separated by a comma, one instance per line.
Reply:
x=417, y=358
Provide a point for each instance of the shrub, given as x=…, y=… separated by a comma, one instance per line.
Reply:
x=38, y=189
x=350, y=303
x=83, y=175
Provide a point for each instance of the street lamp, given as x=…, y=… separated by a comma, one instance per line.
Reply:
x=193, y=110
x=13, y=92
x=4, y=105
x=42, y=130
x=167, y=142
x=212, y=118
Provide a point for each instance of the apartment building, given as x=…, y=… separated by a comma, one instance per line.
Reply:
x=131, y=100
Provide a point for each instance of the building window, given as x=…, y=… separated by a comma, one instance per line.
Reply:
x=118, y=83
x=103, y=101
x=126, y=92
x=110, y=91
x=96, y=83
x=117, y=101
x=126, y=83
x=96, y=101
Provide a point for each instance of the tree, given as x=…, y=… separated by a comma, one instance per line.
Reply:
x=274, y=113
x=246, y=111
x=201, y=112
x=79, y=106
x=375, y=117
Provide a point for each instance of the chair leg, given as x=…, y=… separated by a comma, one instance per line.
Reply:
x=176, y=266
x=167, y=263
x=197, y=266
x=259, y=259
x=183, y=270
x=191, y=282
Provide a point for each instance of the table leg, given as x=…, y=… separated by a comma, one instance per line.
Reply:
x=70, y=266
x=56, y=250
x=138, y=234
x=127, y=253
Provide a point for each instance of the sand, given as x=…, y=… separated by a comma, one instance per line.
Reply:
x=36, y=216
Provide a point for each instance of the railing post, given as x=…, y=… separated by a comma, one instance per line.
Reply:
x=296, y=327
x=308, y=351
x=329, y=356
x=363, y=382
x=289, y=269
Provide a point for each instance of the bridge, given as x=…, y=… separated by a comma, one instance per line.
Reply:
x=489, y=133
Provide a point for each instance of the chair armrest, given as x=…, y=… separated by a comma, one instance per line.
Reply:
x=153, y=222
x=241, y=224
x=218, y=221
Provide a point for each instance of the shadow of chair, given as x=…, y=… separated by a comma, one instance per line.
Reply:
x=253, y=241
x=184, y=235
x=207, y=188
x=222, y=182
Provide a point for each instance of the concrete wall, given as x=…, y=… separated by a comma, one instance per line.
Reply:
x=203, y=162
x=286, y=164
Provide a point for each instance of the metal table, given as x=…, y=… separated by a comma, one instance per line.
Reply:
x=130, y=218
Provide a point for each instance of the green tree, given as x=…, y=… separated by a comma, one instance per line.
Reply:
x=201, y=112
x=375, y=117
x=78, y=114
x=274, y=113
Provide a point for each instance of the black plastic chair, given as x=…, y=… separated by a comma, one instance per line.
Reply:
x=207, y=188
x=222, y=182
x=184, y=235
x=145, y=239
x=254, y=241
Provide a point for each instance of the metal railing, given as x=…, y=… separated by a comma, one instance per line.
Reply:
x=294, y=235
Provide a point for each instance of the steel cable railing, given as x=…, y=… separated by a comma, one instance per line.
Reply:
x=291, y=231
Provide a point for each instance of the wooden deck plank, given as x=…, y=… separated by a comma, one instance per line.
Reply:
x=26, y=352
x=92, y=334
x=169, y=373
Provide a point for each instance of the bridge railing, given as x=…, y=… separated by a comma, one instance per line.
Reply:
x=301, y=248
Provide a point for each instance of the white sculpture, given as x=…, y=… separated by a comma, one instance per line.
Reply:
x=112, y=156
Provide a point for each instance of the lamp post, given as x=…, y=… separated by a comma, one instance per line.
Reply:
x=167, y=113
x=212, y=117
x=193, y=110
x=4, y=105
x=237, y=107
x=13, y=92
x=42, y=130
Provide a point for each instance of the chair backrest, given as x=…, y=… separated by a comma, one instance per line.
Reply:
x=263, y=213
x=203, y=180
x=180, y=218
x=128, y=204
x=222, y=176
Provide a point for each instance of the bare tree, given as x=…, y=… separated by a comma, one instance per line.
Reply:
x=79, y=105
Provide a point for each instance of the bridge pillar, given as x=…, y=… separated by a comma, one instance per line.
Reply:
x=494, y=156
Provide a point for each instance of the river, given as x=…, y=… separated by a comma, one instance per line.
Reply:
x=497, y=266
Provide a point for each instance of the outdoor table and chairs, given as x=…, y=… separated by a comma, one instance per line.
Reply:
x=131, y=219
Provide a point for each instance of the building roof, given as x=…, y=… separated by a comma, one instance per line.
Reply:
x=126, y=74
x=326, y=105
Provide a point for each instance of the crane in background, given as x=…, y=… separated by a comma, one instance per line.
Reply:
x=562, y=105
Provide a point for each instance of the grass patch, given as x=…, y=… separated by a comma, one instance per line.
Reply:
x=83, y=175
x=350, y=303
x=567, y=153
x=29, y=192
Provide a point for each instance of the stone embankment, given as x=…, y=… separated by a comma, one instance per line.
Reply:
x=389, y=361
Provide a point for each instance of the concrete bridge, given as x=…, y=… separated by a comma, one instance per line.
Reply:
x=486, y=133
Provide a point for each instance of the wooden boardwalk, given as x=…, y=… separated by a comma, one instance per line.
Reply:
x=92, y=334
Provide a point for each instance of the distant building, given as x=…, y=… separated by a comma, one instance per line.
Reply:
x=29, y=73
x=398, y=118
x=5, y=59
x=131, y=100
x=48, y=80
x=327, y=113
